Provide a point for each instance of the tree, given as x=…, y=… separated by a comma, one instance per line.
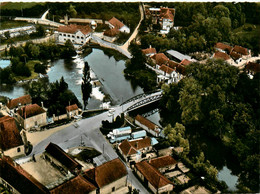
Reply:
x=86, y=87
x=7, y=35
x=72, y=11
x=34, y=50
x=220, y=11
x=68, y=50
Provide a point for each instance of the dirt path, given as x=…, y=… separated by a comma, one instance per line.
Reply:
x=37, y=137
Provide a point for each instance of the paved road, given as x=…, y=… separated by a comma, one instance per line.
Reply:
x=87, y=132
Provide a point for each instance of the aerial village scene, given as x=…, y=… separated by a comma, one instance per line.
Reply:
x=129, y=97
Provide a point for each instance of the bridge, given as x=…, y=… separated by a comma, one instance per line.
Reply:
x=141, y=100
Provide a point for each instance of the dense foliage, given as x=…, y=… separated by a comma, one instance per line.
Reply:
x=204, y=24
x=86, y=87
x=215, y=99
x=55, y=96
x=137, y=72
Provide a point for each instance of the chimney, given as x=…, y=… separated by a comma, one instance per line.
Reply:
x=150, y=46
x=42, y=104
x=66, y=19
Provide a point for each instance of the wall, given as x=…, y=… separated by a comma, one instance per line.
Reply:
x=13, y=152
x=30, y=122
x=146, y=128
x=117, y=184
x=109, y=39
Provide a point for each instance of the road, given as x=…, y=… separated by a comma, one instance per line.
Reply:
x=86, y=133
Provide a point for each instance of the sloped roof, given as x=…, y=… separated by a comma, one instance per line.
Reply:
x=58, y=153
x=9, y=134
x=181, y=69
x=160, y=58
x=223, y=46
x=30, y=111
x=173, y=64
x=253, y=67
x=167, y=13
x=131, y=147
x=235, y=55
x=21, y=180
x=111, y=32
x=148, y=51
x=240, y=49
x=221, y=55
x=23, y=100
x=146, y=122
x=185, y=62
x=116, y=23
x=77, y=185
x=166, y=69
x=106, y=173
x=152, y=175
x=73, y=28
x=178, y=55
x=163, y=161
x=72, y=107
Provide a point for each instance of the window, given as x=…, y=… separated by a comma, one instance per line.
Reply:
x=82, y=37
x=68, y=35
x=77, y=37
x=73, y=36
x=113, y=189
x=64, y=34
x=81, y=42
x=18, y=149
x=35, y=123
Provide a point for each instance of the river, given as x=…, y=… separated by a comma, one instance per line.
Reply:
x=110, y=73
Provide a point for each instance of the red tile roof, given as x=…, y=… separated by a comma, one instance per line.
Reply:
x=160, y=58
x=21, y=180
x=116, y=23
x=173, y=64
x=77, y=185
x=72, y=107
x=131, y=147
x=9, y=134
x=167, y=13
x=58, y=153
x=152, y=175
x=111, y=32
x=147, y=123
x=163, y=161
x=23, y=100
x=181, y=69
x=73, y=28
x=185, y=62
x=253, y=67
x=166, y=69
x=148, y=51
x=235, y=55
x=107, y=173
x=223, y=46
x=240, y=50
x=30, y=111
x=221, y=55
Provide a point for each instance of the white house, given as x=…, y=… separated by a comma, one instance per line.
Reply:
x=147, y=125
x=115, y=23
x=77, y=34
x=168, y=75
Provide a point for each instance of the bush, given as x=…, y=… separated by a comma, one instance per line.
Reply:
x=40, y=68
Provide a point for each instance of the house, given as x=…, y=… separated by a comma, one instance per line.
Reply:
x=72, y=110
x=109, y=177
x=223, y=56
x=236, y=56
x=185, y=62
x=11, y=142
x=17, y=180
x=133, y=150
x=168, y=74
x=222, y=47
x=152, y=178
x=115, y=23
x=244, y=52
x=177, y=56
x=77, y=34
x=77, y=185
x=18, y=102
x=163, y=16
x=54, y=153
x=149, y=51
x=163, y=163
x=110, y=35
x=159, y=59
x=252, y=68
x=32, y=116
x=147, y=125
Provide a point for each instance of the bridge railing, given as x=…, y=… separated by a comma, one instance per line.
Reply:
x=140, y=96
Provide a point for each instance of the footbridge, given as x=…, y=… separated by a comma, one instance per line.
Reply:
x=141, y=100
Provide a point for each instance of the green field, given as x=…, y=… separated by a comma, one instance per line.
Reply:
x=18, y=5
x=12, y=24
x=248, y=30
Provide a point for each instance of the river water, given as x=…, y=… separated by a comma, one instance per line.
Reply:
x=110, y=73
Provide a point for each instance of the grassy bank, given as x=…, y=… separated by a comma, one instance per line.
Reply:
x=12, y=24
x=34, y=75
